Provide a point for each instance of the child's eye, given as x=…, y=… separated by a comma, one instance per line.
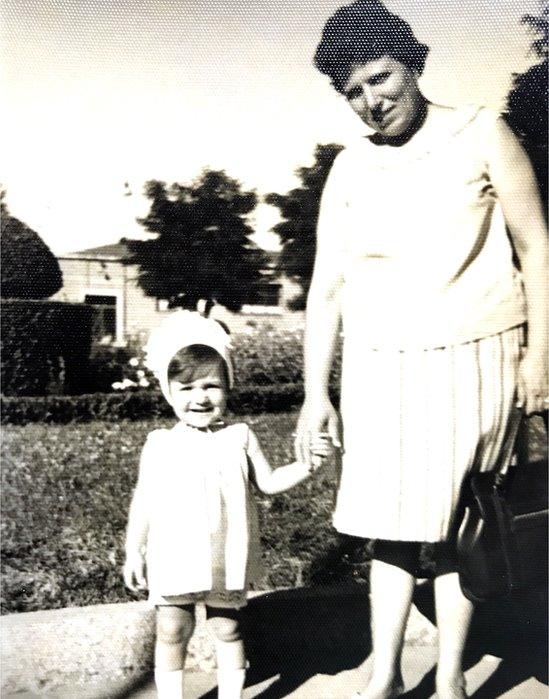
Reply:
x=181, y=387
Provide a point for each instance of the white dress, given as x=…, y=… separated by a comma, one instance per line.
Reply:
x=203, y=534
x=432, y=307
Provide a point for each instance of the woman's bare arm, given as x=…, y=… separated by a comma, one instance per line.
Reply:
x=515, y=183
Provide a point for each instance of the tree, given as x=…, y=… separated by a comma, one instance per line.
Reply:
x=299, y=211
x=29, y=269
x=527, y=102
x=202, y=248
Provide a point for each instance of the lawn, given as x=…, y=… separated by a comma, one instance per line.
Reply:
x=65, y=496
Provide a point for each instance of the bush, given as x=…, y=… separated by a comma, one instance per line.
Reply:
x=107, y=365
x=137, y=405
x=261, y=358
x=45, y=346
x=29, y=269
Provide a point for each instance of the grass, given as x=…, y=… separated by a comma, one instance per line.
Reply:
x=65, y=496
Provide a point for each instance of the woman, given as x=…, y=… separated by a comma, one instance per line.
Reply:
x=414, y=262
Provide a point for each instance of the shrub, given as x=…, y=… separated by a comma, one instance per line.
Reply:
x=106, y=366
x=262, y=357
x=137, y=405
x=29, y=270
x=45, y=346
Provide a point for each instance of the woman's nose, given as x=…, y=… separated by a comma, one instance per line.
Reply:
x=369, y=94
x=372, y=100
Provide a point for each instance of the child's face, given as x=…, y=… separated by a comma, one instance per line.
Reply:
x=201, y=401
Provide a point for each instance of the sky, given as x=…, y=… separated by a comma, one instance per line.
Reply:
x=106, y=92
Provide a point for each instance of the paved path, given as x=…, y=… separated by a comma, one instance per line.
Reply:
x=487, y=678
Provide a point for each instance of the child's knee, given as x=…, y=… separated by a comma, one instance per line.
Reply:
x=224, y=629
x=174, y=625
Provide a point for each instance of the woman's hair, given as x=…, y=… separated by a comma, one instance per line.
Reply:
x=194, y=362
x=365, y=31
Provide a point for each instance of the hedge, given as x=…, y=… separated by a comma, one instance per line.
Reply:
x=262, y=357
x=45, y=346
x=137, y=405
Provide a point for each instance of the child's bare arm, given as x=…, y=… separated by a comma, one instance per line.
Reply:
x=136, y=540
x=277, y=480
x=138, y=525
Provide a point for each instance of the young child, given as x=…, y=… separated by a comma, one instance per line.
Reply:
x=192, y=533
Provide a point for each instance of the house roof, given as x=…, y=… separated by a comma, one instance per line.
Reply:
x=114, y=252
x=119, y=252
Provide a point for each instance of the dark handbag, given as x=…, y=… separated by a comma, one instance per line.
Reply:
x=502, y=540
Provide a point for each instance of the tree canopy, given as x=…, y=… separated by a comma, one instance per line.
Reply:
x=527, y=102
x=202, y=248
x=29, y=269
x=299, y=211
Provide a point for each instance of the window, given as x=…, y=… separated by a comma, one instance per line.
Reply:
x=104, y=325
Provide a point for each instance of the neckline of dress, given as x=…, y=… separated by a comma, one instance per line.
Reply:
x=387, y=155
x=217, y=427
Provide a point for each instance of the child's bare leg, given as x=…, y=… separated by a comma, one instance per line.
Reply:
x=231, y=659
x=174, y=628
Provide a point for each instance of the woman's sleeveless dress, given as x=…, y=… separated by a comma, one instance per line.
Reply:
x=432, y=309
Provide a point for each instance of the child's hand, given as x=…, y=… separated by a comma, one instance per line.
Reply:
x=134, y=572
x=320, y=447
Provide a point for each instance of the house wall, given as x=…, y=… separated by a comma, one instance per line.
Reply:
x=137, y=313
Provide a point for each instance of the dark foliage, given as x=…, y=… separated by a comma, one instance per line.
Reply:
x=299, y=211
x=44, y=346
x=29, y=270
x=202, y=249
x=136, y=405
x=527, y=102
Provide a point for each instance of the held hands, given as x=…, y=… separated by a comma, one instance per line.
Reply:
x=320, y=449
x=134, y=572
x=320, y=422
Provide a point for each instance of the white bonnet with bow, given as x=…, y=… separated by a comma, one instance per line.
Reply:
x=182, y=329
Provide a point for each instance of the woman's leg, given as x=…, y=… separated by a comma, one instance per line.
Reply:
x=391, y=590
x=454, y=614
x=174, y=628
x=231, y=659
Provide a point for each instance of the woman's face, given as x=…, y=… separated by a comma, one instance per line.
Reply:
x=385, y=95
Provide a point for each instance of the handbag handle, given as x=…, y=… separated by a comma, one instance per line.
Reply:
x=508, y=447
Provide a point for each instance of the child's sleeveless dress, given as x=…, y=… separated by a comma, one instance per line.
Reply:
x=203, y=541
x=432, y=307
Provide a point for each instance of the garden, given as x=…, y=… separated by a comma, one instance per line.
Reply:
x=70, y=464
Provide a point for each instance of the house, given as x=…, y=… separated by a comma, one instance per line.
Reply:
x=104, y=278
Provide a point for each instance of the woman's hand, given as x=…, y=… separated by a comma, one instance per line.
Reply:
x=533, y=385
x=320, y=448
x=314, y=420
x=134, y=572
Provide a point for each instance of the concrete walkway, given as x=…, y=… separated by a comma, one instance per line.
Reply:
x=300, y=643
x=485, y=679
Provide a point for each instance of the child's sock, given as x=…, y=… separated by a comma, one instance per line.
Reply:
x=230, y=682
x=230, y=673
x=169, y=683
